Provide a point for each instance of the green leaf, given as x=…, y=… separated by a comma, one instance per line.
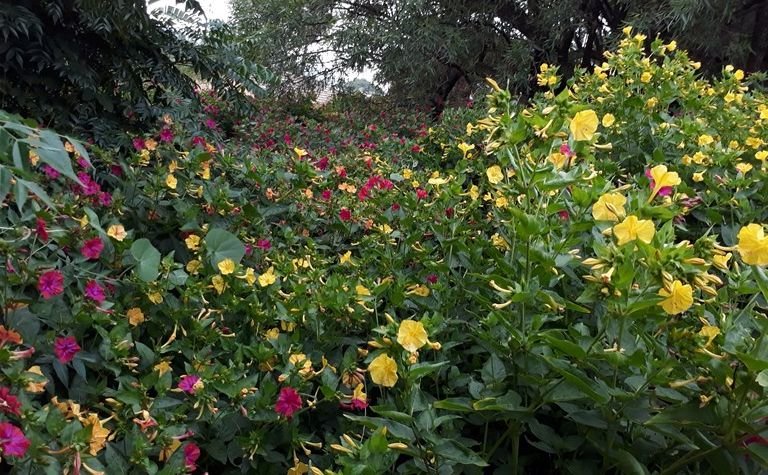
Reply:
x=147, y=258
x=456, y=404
x=37, y=191
x=453, y=451
x=493, y=370
x=578, y=380
x=420, y=370
x=222, y=244
x=627, y=462
x=397, y=429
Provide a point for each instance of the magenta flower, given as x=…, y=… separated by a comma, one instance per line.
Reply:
x=50, y=284
x=421, y=193
x=12, y=440
x=345, y=214
x=40, y=229
x=9, y=403
x=264, y=244
x=139, y=144
x=166, y=135
x=51, y=172
x=326, y=195
x=191, y=454
x=94, y=291
x=105, y=199
x=198, y=141
x=210, y=123
x=92, y=248
x=65, y=348
x=189, y=383
x=432, y=278
x=565, y=149
x=288, y=402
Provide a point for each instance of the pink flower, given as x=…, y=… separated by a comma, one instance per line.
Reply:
x=198, y=141
x=564, y=214
x=40, y=229
x=395, y=207
x=50, y=284
x=663, y=191
x=83, y=163
x=432, y=278
x=189, y=383
x=116, y=170
x=345, y=214
x=449, y=212
x=92, y=248
x=65, y=348
x=416, y=149
x=210, y=123
x=51, y=172
x=105, y=199
x=95, y=292
x=421, y=193
x=139, y=144
x=264, y=244
x=288, y=402
x=326, y=195
x=322, y=164
x=565, y=149
x=191, y=454
x=9, y=403
x=12, y=440
x=166, y=135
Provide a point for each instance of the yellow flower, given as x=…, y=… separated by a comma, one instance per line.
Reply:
x=273, y=333
x=193, y=242
x=632, y=228
x=729, y=97
x=608, y=120
x=679, y=297
x=155, y=297
x=345, y=258
x=743, y=167
x=417, y=289
x=300, y=152
x=474, y=192
x=705, y=140
x=671, y=46
x=753, y=245
x=627, y=30
x=662, y=178
x=411, y=335
x=193, y=266
x=250, y=276
x=226, y=267
x=162, y=368
x=36, y=384
x=302, y=363
x=754, y=142
x=470, y=128
x=362, y=291
x=721, y=261
x=609, y=207
x=558, y=159
x=709, y=332
x=407, y=173
x=646, y=77
x=383, y=371
x=494, y=174
x=99, y=434
x=699, y=158
x=651, y=103
x=117, y=232
x=499, y=242
x=584, y=125
x=465, y=147
x=267, y=278
x=171, y=181
x=761, y=155
x=697, y=177
x=135, y=316
x=218, y=284
x=739, y=75
x=501, y=202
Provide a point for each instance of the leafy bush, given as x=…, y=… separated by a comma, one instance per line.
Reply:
x=547, y=288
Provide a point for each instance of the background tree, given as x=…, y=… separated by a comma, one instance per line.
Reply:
x=422, y=49
x=100, y=66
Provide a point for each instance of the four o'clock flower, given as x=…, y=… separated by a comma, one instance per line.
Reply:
x=65, y=348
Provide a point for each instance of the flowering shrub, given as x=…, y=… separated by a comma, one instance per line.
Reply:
x=573, y=284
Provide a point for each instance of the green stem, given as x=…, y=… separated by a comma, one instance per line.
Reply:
x=675, y=467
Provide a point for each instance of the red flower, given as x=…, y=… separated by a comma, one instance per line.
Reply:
x=345, y=214
x=421, y=193
x=191, y=454
x=9, y=336
x=139, y=144
x=189, y=383
x=50, y=284
x=65, y=348
x=416, y=149
x=288, y=402
x=264, y=244
x=12, y=440
x=432, y=278
x=564, y=214
x=9, y=403
x=166, y=135
x=40, y=229
x=326, y=195
x=94, y=291
x=92, y=248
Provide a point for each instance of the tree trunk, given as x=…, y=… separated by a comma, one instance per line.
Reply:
x=442, y=91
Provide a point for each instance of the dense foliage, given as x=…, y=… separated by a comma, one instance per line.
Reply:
x=573, y=286
x=101, y=67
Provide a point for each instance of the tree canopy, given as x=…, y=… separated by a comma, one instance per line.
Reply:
x=423, y=49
